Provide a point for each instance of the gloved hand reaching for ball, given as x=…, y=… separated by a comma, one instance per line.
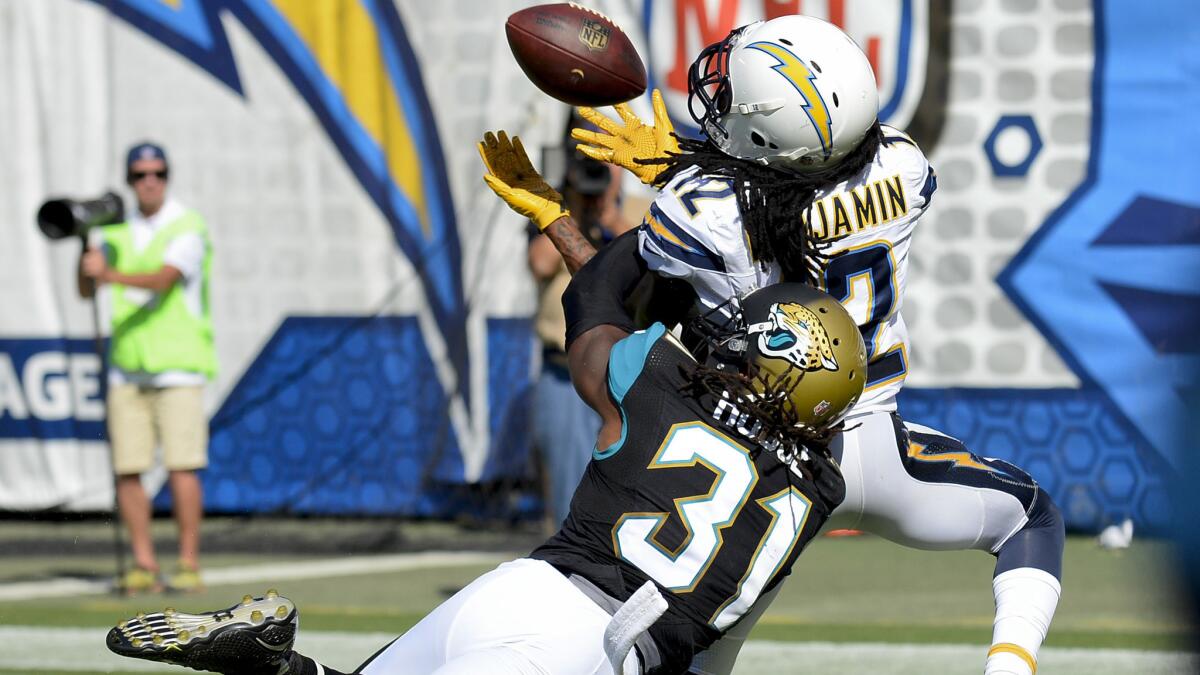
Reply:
x=632, y=144
x=512, y=177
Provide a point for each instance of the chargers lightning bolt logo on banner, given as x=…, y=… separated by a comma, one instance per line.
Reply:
x=364, y=85
x=800, y=76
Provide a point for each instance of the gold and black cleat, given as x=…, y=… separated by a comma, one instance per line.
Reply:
x=254, y=637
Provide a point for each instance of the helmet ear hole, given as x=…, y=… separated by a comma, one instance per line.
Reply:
x=786, y=42
x=835, y=100
x=836, y=342
x=757, y=139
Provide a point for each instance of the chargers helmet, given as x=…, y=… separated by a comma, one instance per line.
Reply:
x=794, y=93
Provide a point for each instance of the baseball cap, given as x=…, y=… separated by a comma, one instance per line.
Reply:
x=145, y=150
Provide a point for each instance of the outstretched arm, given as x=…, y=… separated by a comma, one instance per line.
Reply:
x=594, y=302
x=576, y=250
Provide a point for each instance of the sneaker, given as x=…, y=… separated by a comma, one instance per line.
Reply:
x=186, y=579
x=139, y=580
x=254, y=636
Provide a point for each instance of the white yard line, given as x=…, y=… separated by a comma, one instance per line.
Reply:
x=269, y=572
x=873, y=658
x=63, y=650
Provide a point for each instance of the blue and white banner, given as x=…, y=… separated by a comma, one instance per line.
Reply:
x=51, y=389
x=370, y=297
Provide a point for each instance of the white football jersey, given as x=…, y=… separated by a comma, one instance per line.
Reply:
x=694, y=232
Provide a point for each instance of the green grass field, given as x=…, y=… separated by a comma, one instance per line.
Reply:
x=855, y=604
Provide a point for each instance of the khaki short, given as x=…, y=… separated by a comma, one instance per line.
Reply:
x=141, y=418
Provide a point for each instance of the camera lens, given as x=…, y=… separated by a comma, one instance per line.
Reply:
x=589, y=177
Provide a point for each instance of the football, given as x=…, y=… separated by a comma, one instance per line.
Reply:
x=577, y=55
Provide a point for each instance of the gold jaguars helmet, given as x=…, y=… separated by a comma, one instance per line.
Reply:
x=804, y=345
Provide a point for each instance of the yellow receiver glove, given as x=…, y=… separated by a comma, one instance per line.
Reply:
x=624, y=145
x=512, y=177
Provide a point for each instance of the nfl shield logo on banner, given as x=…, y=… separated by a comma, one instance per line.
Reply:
x=896, y=36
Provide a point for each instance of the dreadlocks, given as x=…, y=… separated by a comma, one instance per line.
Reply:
x=774, y=203
x=765, y=399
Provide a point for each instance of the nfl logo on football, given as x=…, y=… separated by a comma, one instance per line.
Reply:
x=594, y=34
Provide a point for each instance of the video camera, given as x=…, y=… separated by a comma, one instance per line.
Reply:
x=62, y=218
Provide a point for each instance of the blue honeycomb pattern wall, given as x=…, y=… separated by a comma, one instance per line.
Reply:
x=1097, y=470
x=347, y=416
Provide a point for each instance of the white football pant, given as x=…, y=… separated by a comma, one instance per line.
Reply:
x=883, y=498
x=522, y=618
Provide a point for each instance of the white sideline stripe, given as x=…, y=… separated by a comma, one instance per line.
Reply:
x=771, y=658
x=36, y=649
x=268, y=572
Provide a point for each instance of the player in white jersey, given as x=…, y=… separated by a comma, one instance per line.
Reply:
x=797, y=180
x=694, y=232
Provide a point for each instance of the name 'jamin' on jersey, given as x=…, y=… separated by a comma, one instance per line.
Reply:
x=694, y=232
x=685, y=498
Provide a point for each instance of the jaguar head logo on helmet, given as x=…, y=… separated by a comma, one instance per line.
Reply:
x=793, y=93
x=793, y=333
x=799, y=354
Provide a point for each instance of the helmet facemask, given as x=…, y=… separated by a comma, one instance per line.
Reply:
x=710, y=72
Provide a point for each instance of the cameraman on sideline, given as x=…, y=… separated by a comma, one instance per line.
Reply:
x=161, y=355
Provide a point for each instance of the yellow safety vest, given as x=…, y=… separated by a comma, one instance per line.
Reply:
x=164, y=334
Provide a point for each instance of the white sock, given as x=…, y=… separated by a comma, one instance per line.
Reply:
x=1025, y=601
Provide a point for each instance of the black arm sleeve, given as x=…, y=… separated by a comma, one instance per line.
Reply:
x=597, y=293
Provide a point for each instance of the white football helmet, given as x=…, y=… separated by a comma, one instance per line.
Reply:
x=792, y=93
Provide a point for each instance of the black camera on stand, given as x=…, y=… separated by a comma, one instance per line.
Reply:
x=62, y=218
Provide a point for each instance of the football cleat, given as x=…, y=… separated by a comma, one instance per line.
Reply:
x=253, y=637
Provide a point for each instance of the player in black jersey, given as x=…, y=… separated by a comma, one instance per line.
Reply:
x=706, y=483
x=703, y=492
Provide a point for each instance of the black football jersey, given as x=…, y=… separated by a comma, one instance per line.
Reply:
x=685, y=499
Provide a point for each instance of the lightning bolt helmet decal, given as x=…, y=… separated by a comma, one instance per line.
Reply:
x=803, y=79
